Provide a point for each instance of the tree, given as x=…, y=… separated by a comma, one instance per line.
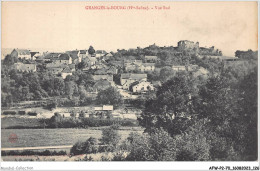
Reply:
x=87, y=147
x=91, y=50
x=231, y=107
x=71, y=88
x=159, y=146
x=166, y=73
x=110, y=96
x=111, y=138
x=247, y=55
x=9, y=60
x=171, y=108
x=194, y=144
x=247, y=123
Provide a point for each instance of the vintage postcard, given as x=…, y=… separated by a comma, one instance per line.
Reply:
x=155, y=81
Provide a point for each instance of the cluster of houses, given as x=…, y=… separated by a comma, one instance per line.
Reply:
x=134, y=78
x=62, y=64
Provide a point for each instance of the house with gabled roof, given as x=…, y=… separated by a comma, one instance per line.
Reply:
x=130, y=67
x=75, y=56
x=127, y=79
x=106, y=70
x=103, y=77
x=62, y=59
x=51, y=56
x=83, y=54
x=21, y=53
x=147, y=67
x=54, y=69
x=107, y=56
x=65, y=72
x=35, y=55
x=141, y=86
x=90, y=60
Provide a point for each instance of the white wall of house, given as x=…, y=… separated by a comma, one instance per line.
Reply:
x=60, y=62
x=143, y=86
x=147, y=68
x=24, y=56
x=25, y=67
x=179, y=68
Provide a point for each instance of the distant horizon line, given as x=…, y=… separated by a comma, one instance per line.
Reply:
x=110, y=50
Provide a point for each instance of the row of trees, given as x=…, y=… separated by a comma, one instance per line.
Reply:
x=17, y=87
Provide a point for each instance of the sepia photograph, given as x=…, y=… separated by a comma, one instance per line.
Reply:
x=122, y=82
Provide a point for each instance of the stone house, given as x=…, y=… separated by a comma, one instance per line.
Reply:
x=21, y=53
x=65, y=72
x=75, y=56
x=62, y=59
x=25, y=67
x=141, y=86
x=128, y=78
x=83, y=54
x=147, y=67
x=103, y=77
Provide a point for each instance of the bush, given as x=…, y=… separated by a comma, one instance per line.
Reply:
x=9, y=113
x=111, y=138
x=90, y=146
x=119, y=156
x=30, y=153
x=32, y=113
x=159, y=146
x=60, y=122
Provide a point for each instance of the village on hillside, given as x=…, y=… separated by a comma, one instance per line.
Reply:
x=110, y=106
x=134, y=72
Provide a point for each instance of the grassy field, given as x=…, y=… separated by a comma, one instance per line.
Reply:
x=55, y=137
x=21, y=122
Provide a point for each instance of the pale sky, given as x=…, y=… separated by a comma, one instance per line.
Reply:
x=229, y=26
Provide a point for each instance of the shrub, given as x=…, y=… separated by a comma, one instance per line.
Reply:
x=32, y=113
x=159, y=146
x=30, y=153
x=111, y=138
x=21, y=112
x=9, y=113
x=90, y=146
x=119, y=156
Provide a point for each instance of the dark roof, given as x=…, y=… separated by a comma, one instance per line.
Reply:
x=23, y=51
x=52, y=55
x=73, y=54
x=83, y=51
x=134, y=83
x=33, y=53
x=66, y=70
x=64, y=56
x=103, y=77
